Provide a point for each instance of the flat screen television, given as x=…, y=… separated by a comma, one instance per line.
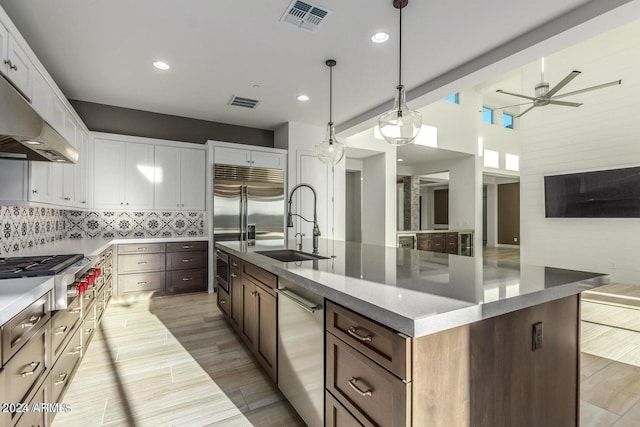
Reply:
x=613, y=193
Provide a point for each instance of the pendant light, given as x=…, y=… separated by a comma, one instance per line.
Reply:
x=401, y=125
x=330, y=151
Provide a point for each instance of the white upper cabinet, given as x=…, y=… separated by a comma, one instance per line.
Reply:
x=123, y=175
x=248, y=157
x=180, y=178
x=82, y=169
x=193, y=179
x=15, y=62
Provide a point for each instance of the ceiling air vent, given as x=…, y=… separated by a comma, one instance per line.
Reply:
x=239, y=101
x=305, y=15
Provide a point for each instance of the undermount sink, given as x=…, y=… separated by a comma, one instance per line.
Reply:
x=290, y=255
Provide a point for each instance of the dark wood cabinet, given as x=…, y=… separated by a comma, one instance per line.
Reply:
x=438, y=242
x=252, y=310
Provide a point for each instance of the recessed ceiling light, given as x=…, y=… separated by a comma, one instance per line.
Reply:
x=160, y=65
x=401, y=160
x=380, y=37
x=303, y=98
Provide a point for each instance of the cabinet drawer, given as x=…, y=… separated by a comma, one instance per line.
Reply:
x=337, y=416
x=187, y=281
x=140, y=248
x=365, y=388
x=268, y=279
x=141, y=282
x=235, y=262
x=63, y=323
x=182, y=260
x=139, y=263
x=17, y=331
x=385, y=346
x=223, y=301
x=452, y=237
x=35, y=418
x=26, y=366
x=62, y=371
x=187, y=246
x=87, y=330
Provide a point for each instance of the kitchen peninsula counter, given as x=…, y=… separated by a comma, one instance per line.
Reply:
x=417, y=292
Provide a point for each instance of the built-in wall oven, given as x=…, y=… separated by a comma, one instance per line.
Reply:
x=222, y=270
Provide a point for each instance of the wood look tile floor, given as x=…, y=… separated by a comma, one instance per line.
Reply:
x=171, y=361
x=174, y=361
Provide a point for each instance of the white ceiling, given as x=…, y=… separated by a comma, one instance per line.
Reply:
x=101, y=51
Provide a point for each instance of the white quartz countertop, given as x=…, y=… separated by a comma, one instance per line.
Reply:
x=18, y=294
x=418, y=292
x=93, y=246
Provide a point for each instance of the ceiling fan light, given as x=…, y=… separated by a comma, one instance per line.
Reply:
x=401, y=125
x=330, y=151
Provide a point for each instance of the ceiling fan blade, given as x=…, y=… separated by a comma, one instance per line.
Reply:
x=514, y=105
x=572, y=75
x=565, y=103
x=587, y=89
x=515, y=94
x=525, y=111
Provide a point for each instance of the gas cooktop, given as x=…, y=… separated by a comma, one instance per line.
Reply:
x=32, y=266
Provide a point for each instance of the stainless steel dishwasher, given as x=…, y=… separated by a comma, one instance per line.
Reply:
x=301, y=350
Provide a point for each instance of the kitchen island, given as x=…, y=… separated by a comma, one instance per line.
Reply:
x=463, y=341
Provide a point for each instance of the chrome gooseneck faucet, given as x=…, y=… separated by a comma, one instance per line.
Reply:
x=316, y=230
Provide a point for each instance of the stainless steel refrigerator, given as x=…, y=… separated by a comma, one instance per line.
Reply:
x=248, y=203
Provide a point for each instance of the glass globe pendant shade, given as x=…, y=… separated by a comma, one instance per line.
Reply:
x=330, y=151
x=401, y=125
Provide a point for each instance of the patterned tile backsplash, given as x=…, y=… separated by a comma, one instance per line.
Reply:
x=135, y=224
x=25, y=227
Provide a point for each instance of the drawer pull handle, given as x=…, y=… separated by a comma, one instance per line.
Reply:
x=88, y=331
x=33, y=366
x=234, y=275
x=253, y=293
x=142, y=263
x=235, y=264
x=223, y=301
x=186, y=279
x=61, y=378
x=353, y=331
x=76, y=311
x=61, y=330
x=364, y=393
x=187, y=247
x=187, y=260
x=75, y=350
x=142, y=249
x=32, y=321
x=142, y=283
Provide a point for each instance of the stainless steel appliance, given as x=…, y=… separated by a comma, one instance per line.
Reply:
x=248, y=203
x=222, y=270
x=465, y=243
x=408, y=241
x=301, y=350
x=24, y=135
x=73, y=274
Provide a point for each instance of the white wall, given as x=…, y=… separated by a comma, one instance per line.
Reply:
x=386, y=232
x=465, y=193
x=374, y=201
x=353, y=206
x=304, y=167
x=601, y=134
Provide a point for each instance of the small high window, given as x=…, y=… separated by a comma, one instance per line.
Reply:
x=507, y=120
x=487, y=115
x=454, y=98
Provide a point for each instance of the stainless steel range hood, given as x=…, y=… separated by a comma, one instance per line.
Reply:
x=24, y=135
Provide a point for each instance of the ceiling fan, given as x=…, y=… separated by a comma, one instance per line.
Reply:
x=545, y=96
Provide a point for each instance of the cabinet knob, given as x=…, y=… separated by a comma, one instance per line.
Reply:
x=11, y=65
x=127, y=203
x=34, y=191
x=67, y=198
x=121, y=203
